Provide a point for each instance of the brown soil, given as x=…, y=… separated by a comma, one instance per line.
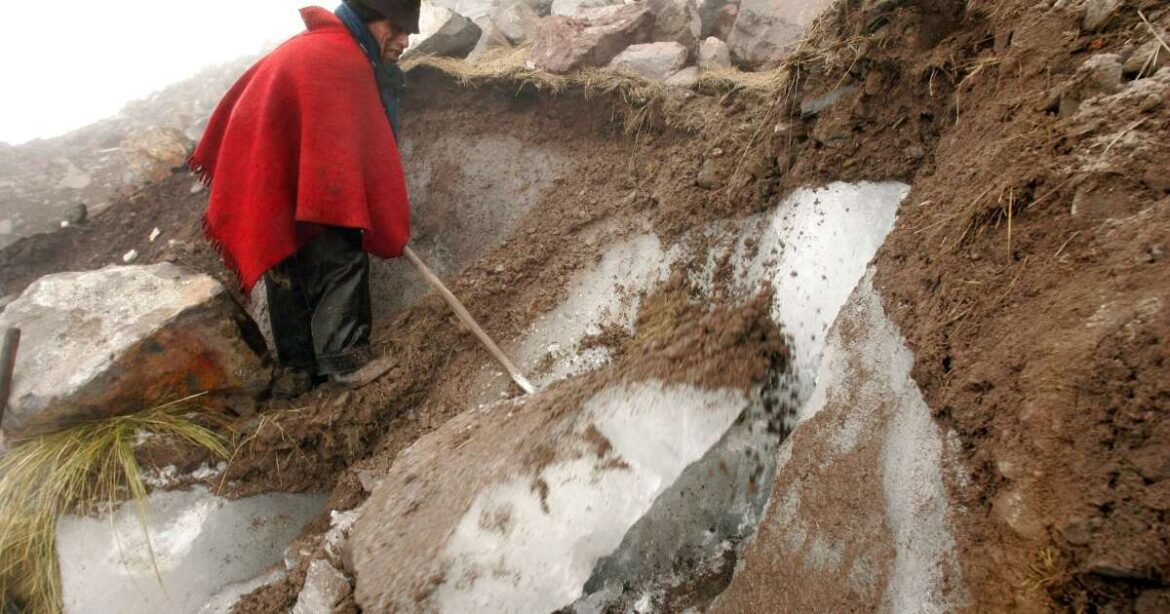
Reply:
x=1027, y=273
x=1040, y=332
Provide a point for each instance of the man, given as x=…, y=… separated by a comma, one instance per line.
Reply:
x=306, y=178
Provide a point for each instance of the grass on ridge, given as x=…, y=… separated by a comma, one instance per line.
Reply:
x=77, y=469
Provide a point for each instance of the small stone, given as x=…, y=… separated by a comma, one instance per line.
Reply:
x=813, y=107
x=1098, y=13
x=243, y=405
x=324, y=588
x=1152, y=602
x=714, y=54
x=1101, y=74
x=1011, y=508
x=197, y=187
x=77, y=214
x=651, y=61
x=710, y=174
x=1157, y=178
x=130, y=256
x=684, y=78
x=1146, y=59
x=64, y=223
x=154, y=234
x=1110, y=568
x=1077, y=533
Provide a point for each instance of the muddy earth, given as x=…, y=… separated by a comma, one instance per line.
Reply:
x=1026, y=271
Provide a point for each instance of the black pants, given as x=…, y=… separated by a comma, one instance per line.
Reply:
x=319, y=304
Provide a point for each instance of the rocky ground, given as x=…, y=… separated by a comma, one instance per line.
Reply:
x=1025, y=271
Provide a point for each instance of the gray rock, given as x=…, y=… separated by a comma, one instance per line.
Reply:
x=1098, y=13
x=572, y=8
x=77, y=214
x=766, y=30
x=676, y=20
x=517, y=21
x=812, y=107
x=709, y=13
x=714, y=54
x=1147, y=59
x=1152, y=602
x=324, y=588
x=593, y=38
x=651, y=61
x=121, y=339
x=684, y=78
x=443, y=33
x=712, y=173
x=724, y=22
x=1101, y=74
x=491, y=39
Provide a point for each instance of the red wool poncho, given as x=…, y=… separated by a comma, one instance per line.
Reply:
x=302, y=141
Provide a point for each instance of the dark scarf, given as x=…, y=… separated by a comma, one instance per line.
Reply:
x=389, y=77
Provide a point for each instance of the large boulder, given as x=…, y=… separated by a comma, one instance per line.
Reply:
x=709, y=11
x=766, y=30
x=491, y=39
x=676, y=20
x=571, y=8
x=121, y=339
x=516, y=20
x=443, y=32
x=651, y=61
x=153, y=153
x=593, y=38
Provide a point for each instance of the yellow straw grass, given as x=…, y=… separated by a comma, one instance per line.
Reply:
x=75, y=470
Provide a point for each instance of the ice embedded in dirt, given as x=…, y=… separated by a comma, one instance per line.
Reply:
x=866, y=468
x=813, y=249
x=200, y=545
x=608, y=294
x=549, y=553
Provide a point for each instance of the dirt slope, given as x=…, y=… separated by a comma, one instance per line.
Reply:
x=1027, y=269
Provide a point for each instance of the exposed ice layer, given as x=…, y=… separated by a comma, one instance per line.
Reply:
x=541, y=560
x=813, y=248
x=606, y=295
x=868, y=417
x=201, y=544
x=713, y=506
x=916, y=499
x=609, y=294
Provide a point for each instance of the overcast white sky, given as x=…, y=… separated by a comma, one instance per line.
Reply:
x=68, y=63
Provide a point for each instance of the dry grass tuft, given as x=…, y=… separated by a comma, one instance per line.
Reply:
x=79, y=469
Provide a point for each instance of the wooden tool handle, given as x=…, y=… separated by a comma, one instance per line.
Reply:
x=468, y=321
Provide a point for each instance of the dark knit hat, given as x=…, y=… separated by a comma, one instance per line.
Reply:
x=402, y=13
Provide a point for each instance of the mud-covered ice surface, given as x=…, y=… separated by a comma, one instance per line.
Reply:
x=512, y=505
x=860, y=509
x=203, y=552
x=812, y=249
